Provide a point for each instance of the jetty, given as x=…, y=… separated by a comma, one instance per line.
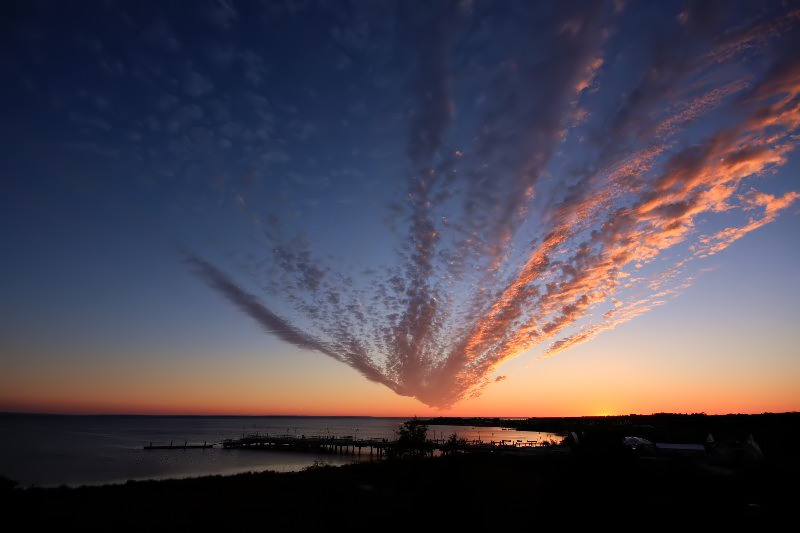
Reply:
x=374, y=446
x=341, y=445
x=172, y=446
x=380, y=446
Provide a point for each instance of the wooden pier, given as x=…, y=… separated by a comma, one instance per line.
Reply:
x=348, y=445
x=172, y=446
x=375, y=446
x=339, y=445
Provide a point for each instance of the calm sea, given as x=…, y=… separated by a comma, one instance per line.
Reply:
x=53, y=450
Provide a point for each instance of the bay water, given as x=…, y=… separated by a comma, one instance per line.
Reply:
x=73, y=450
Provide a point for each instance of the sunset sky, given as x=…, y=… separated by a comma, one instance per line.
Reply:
x=401, y=208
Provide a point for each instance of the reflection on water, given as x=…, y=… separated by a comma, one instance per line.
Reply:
x=47, y=450
x=494, y=435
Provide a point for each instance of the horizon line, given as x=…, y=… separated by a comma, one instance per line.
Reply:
x=183, y=415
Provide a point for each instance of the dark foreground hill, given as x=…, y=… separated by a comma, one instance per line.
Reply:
x=566, y=487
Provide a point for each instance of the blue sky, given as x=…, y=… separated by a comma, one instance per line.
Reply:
x=429, y=195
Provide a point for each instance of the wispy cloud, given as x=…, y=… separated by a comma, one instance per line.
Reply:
x=348, y=351
x=523, y=227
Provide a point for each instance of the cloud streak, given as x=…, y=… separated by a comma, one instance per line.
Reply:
x=348, y=351
x=522, y=226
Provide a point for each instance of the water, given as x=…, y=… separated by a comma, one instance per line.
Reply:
x=51, y=450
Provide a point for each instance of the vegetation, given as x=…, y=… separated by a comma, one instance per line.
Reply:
x=453, y=444
x=466, y=492
x=412, y=440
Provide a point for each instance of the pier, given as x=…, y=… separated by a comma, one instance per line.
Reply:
x=172, y=446
x=339, y=445
x=376, y=446
x=373, y=446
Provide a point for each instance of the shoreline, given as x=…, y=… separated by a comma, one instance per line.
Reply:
x=462, y=490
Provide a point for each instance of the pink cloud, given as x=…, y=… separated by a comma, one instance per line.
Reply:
x=508, y=244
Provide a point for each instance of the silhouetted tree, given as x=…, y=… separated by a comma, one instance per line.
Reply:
x=412, y=439
x=453, y=444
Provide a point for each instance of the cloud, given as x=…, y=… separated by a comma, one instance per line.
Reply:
x=254, y=68
x=347, y=351
x=222, y=14
x=92, y=122
x=520, y=227
x=160, y=34
x=431, y=80
x=248, y=303
x=713, y=244
x=195, y=83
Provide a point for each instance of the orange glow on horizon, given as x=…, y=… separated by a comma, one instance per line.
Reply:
x=400, y=407
x=597, y=378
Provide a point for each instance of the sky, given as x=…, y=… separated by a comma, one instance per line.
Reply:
x=376, y=208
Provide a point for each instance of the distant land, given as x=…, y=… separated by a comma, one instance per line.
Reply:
x=776, y=433
x=672, y=420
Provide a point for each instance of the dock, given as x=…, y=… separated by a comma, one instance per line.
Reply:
x=374, y=446
x=172, y=446
x=349, y=445
x=340, y=445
